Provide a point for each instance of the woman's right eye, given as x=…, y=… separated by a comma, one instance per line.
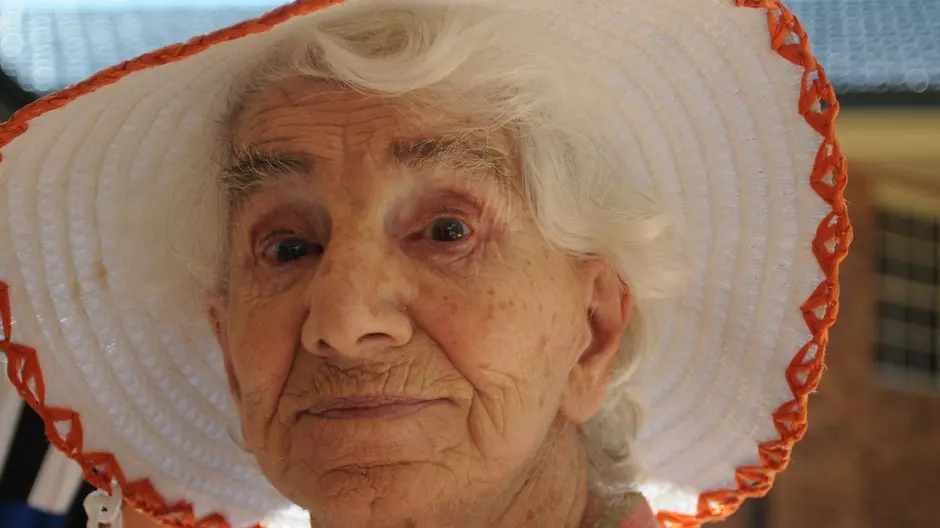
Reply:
x=287, y=250
x=448, y=230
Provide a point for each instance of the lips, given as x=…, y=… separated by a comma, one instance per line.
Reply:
x=382, y=407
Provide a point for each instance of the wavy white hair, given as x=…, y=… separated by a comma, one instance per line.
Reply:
x=496, y=71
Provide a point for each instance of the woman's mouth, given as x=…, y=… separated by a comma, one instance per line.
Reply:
x=378, y=407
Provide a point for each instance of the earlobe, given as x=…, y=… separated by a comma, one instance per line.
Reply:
x=607, y=309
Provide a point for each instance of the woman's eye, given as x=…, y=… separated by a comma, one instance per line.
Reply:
x=447, y=230
x=290, y=249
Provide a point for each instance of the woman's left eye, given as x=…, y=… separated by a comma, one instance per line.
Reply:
x=290, y=249
x=447, y=230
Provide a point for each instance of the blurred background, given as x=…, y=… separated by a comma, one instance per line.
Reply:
x=871, y=457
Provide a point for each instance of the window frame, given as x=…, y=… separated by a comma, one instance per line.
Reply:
x=918, y=209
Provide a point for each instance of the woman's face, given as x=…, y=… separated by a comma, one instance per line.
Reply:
x=399, y=338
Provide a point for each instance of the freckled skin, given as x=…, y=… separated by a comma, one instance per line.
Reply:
x=494, y=326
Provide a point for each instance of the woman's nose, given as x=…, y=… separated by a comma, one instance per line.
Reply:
x=356, y=304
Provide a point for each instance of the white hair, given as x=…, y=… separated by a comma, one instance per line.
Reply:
x=501, y=72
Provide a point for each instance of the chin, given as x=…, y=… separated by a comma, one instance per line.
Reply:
x=392, y=495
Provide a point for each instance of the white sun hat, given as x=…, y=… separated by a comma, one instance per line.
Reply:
x=720, y=100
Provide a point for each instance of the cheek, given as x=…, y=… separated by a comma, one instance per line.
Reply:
x=264, y=336
x=507, y=338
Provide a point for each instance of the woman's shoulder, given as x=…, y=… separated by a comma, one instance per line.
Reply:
x=631, y=511
x=641, y=516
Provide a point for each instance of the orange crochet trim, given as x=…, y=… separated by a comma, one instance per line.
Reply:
x=817, y=104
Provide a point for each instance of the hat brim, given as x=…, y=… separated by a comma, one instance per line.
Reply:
x=723, y=105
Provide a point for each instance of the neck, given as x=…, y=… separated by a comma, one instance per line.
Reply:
x=554, y=491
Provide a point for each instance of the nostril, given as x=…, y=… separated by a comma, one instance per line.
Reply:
x=372, y=337
x=325, y=345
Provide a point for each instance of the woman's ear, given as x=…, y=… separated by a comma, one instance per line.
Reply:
x=607, y=309
x=217, y=315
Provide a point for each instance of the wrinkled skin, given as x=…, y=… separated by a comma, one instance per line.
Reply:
x=341, y=285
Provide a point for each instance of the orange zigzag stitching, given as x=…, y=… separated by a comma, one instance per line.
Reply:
x=817, y=104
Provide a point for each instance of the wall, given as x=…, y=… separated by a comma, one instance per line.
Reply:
x=871, y=457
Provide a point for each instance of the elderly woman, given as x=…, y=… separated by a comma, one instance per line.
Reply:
x=422, y=264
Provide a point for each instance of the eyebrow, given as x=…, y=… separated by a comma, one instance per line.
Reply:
x=253, y=167
x=456, y=152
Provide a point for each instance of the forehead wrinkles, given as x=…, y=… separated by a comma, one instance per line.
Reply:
x=279, y=133
x=269, y=136
x=309, y=108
